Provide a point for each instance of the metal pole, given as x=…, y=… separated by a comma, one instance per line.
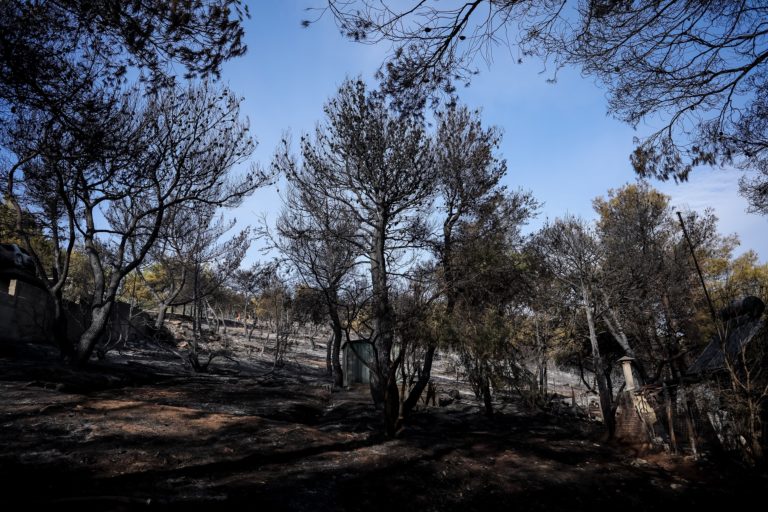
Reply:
x=701, y=277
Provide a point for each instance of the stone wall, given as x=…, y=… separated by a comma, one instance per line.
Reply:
x=25, y=312
x=26, y=316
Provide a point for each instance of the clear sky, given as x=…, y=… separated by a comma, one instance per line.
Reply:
x=558, y=140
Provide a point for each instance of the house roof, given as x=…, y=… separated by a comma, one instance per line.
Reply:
x=712, y=358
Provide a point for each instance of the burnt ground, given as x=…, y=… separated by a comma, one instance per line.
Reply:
x=138, y=431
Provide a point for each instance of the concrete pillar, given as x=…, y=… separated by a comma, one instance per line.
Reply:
x=626, y=366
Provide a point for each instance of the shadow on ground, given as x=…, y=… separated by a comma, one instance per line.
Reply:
x=128, y=435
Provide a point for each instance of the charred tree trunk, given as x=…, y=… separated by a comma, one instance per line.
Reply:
x=60, y=322
x=541, y=359
x=333, y=361
x=61, y=325
x=392, y=412
x=94, y=332
x=617, y=331
x=160, y=319
x=450, y=278
x=338, y=372
x=384, y=379
x=421, y=383
x=197, y=314
x=329, y=354
x=677, y=370
x=249, y=328
x=670, y=409
x=603, y=390
x=60, y=328
x=485, y=390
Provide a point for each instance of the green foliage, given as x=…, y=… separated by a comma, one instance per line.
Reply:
x=745, y=276
x=492, y=280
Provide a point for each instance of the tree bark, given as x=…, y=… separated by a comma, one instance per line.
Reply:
x=94, y=332
x=450, y=279
x=383, y=332
x=160, y=319
x=487, y=402
x=617, y=331
x=60, y=328
x=60, y=323
x=603, y=391
x=333, y=362
x=541, y=354
x=329, y=354
x=421, y=383
x=338, y=372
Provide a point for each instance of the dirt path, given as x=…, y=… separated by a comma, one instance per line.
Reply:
x=156, y=437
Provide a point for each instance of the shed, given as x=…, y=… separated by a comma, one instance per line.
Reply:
x=354, y=356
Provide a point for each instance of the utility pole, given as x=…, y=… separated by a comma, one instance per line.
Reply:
x=701, y=278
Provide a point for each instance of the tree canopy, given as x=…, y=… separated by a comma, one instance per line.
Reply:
x=697, y=68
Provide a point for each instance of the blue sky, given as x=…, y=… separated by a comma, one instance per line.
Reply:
x=558, y=140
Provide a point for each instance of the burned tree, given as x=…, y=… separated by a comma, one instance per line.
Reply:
x=189, y=261
x=572, y=255
x=316, y=238
x=700, y=66
x=66, y=106
x=469, y=191
x=51, y=209
x=195, y=137
x=379, y=170
x=54, y=56
x=158, y=153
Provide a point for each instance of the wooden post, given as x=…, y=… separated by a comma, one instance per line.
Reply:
x=670, y=418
